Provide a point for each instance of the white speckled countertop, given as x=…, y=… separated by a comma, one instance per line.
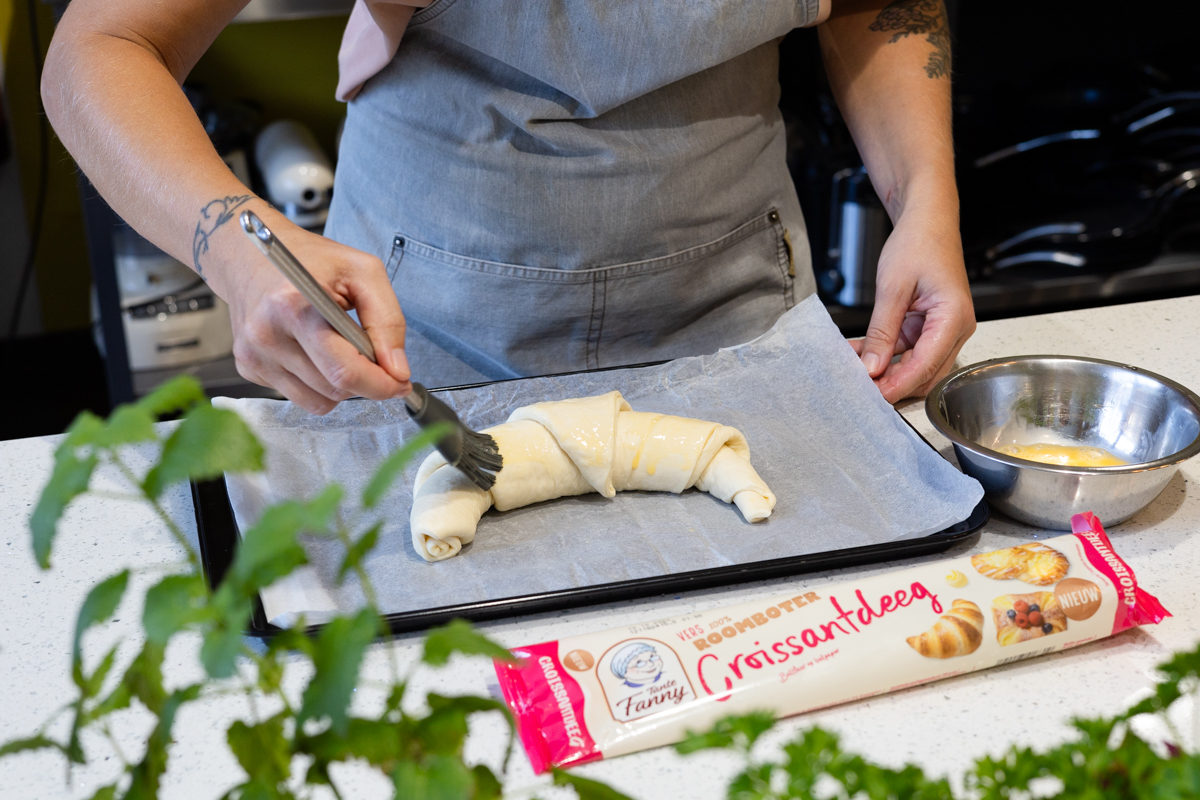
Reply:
x=942, y=726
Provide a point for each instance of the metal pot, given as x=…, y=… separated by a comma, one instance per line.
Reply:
x=1148, y=420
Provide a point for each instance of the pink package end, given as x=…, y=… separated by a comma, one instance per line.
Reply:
x=1138, y=606
x=547, y=704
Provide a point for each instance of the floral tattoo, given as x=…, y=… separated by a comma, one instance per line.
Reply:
x=213, y=216
x=914, y=18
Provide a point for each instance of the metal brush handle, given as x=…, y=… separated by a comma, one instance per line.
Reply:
x=307, y=285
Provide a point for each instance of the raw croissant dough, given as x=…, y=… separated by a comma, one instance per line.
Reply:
x=589, y=444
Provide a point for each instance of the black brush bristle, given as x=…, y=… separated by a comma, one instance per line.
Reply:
x=476, y=455
x=485, y=450
x=480, y=459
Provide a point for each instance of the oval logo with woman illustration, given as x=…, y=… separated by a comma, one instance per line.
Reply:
x=640, y=677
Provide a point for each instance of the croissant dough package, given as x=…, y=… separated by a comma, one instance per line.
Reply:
x=605, y=694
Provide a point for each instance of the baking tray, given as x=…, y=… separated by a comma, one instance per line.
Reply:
x=218, y=536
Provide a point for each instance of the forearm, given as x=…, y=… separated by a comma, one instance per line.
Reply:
x=117, y=105
x=889, y=67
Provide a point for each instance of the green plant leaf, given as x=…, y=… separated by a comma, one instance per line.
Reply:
x=223, y=641
x=857, y=776
x=458, y=636
x=262, y=750
x=376, y=741
x=208, y=442
x=392, y=466
x=585, y=788
x=105, y=793
x=85, y=430
x=809, y=756
x=32, y=743
x=127, y=425
x=753, y=783
x=178, y=394
x=228, y=641
x=172, y=604
x=258, y=789
x=411, y=781
x=74, y=749
x=69, y=479
x=740, y=732
x=98, y=606
x=294, y=639
x=443, y=734
x=438, y=778
x=92, y=684
x=336, y=658
x=117, y=699
x=444, y=730
x=1181, y=667
x=147, y=773
x=358, y=550
x=270, y=672
x=487, y=785
x=269, y=549
x=450, y=779
x=144, y=677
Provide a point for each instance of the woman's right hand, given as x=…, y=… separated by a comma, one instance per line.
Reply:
x=281, y=340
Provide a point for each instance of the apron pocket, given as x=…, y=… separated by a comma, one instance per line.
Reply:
x=717, y=295
x=506, y=320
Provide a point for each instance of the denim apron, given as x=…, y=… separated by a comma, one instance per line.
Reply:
x=577, y=184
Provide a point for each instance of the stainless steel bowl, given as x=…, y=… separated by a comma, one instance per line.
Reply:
x=1145, y=419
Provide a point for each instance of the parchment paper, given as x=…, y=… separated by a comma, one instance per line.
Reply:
x=846, y=468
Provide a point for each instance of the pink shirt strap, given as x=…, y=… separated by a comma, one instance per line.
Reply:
x=370, y=41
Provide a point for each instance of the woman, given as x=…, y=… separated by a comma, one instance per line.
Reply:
x=541, y=186
x=637, y=664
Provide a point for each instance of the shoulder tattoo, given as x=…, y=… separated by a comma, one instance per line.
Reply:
x=214, y=214
x=915, y=18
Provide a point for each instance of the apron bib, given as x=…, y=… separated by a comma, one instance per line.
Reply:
x=577, y=184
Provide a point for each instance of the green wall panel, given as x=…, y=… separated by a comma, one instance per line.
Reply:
x=289, y=68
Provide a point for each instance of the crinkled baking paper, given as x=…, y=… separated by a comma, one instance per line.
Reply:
x=847, y=469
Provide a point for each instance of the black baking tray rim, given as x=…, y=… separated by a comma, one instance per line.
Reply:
x=218, y=536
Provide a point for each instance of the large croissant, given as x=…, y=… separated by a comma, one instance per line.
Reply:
x=589, y=444
x=958, y=632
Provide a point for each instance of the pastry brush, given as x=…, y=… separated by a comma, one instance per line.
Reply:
x=474, y=454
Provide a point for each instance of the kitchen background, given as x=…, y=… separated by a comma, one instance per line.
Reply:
x=1077, y=128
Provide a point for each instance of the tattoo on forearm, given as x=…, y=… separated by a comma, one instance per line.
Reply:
x=213, y=216
x=914, y=18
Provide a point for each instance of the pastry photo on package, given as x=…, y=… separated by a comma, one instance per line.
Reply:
x=613, y=692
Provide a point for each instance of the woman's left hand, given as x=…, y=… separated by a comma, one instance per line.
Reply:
x=923, y=308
